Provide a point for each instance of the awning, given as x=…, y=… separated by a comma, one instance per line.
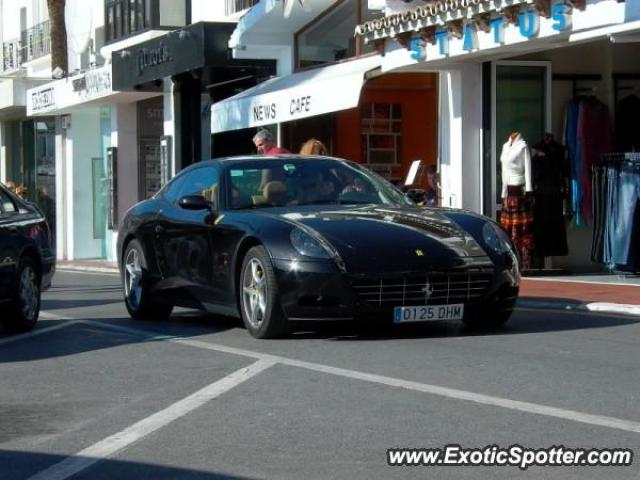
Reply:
x=292, y=97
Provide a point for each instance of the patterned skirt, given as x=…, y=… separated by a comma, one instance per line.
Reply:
x=516, y=218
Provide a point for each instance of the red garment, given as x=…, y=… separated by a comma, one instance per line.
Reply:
x=595, y=138
x=276, y=151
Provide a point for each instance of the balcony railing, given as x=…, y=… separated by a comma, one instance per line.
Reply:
x=35, y=42
x=235, y=6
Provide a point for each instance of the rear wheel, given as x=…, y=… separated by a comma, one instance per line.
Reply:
x=23, y=311
x=137, y=297
x=259, y=305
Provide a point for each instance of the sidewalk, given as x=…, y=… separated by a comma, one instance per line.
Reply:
x=595, y=293
x=607, y=293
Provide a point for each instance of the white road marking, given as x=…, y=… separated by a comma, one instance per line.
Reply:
x=40, y=331
x=100, y=271
x=613, y=308
x=527, y=407
x=590, y=282
x=114, y=443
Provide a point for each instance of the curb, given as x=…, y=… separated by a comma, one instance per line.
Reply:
x=598, y=307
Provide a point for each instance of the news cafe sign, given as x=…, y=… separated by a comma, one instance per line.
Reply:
x=283, y=109
x=525, y=22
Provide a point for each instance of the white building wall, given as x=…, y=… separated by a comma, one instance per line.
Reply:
x=210, y=11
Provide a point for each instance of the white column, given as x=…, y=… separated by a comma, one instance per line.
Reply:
x=3, y=147
x=64, y=191
x=460, y=137
x=124, y=135
x=450, y=141
x=471, y=160
x=168, y=110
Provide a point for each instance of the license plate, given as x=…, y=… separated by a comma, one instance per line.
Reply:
x=427, y=313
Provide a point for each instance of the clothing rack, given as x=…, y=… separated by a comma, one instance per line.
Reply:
x=619, y=157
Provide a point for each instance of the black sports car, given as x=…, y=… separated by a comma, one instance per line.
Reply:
x=273, y=239
x=27, y=262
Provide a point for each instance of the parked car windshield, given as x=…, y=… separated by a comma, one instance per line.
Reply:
x=290, y=182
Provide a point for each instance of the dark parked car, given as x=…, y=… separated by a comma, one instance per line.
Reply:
x=27, y=261
x=273, y=239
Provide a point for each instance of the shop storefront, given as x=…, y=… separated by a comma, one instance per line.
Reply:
x=190, y=69
x=377, y=120
x=561, y=74
x=81, y=131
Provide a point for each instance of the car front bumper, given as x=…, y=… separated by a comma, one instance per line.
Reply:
x=318, y=290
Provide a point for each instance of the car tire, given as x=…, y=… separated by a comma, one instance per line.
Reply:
x=135, y=282
x=23, y=311
x=259, y=301
x=487, y=318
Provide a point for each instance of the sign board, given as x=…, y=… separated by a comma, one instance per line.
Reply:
x=68, y=92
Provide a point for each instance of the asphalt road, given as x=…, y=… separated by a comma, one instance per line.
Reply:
x=91, y=394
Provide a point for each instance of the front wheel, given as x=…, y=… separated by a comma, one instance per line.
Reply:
x=23, y=311
x=137, y=297
x=261, y=311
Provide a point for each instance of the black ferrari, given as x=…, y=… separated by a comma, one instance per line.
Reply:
x=274, y=239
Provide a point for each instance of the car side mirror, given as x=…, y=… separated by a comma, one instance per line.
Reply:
x=195, y=202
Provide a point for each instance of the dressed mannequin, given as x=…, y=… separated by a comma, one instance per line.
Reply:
x=516, y=216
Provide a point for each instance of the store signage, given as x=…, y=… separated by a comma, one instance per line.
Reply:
x=528, y=26
x=269, y=111
x=150, y=57
x=68, y=92
x=43, y=99
x=92, y=83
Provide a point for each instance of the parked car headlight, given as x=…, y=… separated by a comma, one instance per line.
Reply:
x=307, y=245
x=495, y=238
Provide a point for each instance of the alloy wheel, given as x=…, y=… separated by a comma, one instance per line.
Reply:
x=133, y=278
x=29, y=290
x=254, y=292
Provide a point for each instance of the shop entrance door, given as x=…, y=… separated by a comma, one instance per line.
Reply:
x=522, y=103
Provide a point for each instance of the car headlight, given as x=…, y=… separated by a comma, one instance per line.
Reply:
x=307, y=245
x=495, y=238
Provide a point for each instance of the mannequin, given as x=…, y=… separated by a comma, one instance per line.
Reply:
x=516, y=216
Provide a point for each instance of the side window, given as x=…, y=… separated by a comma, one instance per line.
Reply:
x=6, y=204
x=202, y=181
x=172, y=190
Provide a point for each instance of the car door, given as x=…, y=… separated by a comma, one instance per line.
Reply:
x=184, y=239
x=9, y=243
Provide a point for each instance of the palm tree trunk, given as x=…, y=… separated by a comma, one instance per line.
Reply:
x=58, y=37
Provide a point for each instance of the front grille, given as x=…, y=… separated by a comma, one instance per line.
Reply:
x=430, y=289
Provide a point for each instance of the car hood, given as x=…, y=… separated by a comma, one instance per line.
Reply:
x=370, y=239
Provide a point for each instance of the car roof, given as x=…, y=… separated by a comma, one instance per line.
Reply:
x=240, y=159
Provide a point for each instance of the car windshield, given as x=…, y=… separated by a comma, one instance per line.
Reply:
x=290, y=182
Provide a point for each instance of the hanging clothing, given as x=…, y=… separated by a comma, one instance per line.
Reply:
x=595, y=138
x=588, y=135
x=616, y=236
x=516, y=164
x=516, y=218
x=550, y=172
x=571, y=141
